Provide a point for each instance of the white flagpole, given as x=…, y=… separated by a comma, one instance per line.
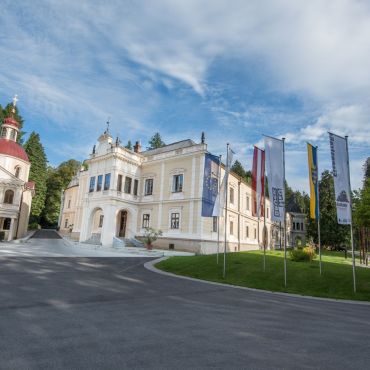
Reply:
x=226, y=193
x=219, y=207
x=285, y=272
x=350, y=204
x=264, y=220
x=318, y=207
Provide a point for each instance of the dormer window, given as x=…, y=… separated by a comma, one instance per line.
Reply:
x=13, y=134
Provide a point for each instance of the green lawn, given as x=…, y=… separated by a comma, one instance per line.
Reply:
x=245, y=269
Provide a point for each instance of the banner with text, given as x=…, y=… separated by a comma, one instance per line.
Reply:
x=258, y=181
x=339, y=160
x=275, y=177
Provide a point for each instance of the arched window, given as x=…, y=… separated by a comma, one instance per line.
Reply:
x=3, y=132
x=17, y=171
x=9, y=195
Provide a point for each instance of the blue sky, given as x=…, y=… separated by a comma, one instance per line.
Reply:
x=235, y=70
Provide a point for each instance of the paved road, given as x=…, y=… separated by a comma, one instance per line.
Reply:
x=109, y=313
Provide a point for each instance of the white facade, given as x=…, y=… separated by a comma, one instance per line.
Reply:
x=124, y=191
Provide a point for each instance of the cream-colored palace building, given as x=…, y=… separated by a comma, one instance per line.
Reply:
x=124, y=191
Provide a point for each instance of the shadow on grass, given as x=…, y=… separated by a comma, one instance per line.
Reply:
x=246, y=269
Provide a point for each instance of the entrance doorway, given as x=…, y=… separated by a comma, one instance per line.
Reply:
x=122, y=224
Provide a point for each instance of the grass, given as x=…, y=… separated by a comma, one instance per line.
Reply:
x=246, y=269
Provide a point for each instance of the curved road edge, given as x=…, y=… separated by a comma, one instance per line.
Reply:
x=150, y=266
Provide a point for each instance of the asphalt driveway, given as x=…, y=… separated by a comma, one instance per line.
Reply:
x=109, y=313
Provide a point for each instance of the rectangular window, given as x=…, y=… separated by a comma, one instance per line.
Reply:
x=267, y=212
x=247, y=231
x=231, y=195
x=177, y=183
x=128, y=182
x=101, y=219
x=175, y=220
x=247, y=203
x=136, y=186
x=92, y=184
x=293, y=225
x=302, y=226
x=66, y=223
x=148, y=187
x=146, y=219
x=215, y=224
x=69, y=203
x=297, y=225
x=99, y=183
x=3, y=132
x=231, y=228
x=255, y=233
x=119, y=183
x=107, y=181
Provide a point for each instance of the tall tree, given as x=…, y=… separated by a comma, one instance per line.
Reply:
x=156, y=141
x=238, y=168
x=58, y=179
x=332, y=234
x=38, y=174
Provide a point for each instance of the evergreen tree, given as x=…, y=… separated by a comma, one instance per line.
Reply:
x=128, y=145
x=57, y=180
x=38, y=174
x=156, y=141
x=332, y=234
x=238, y=169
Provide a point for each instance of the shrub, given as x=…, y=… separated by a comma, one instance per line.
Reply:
x=302, y=254
x=33, y=226
x=151, y=235
x=2, y=235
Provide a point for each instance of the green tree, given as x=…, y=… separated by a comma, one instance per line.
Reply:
x=128, y=145
x=156, y=141
x=57, y=180
x=332, y=234
x=238, y=169
x=38, y=174
x=361, y=200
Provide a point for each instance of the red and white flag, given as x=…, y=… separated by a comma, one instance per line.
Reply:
x=258, y=181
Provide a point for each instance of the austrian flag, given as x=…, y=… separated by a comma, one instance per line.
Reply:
x=258, y=181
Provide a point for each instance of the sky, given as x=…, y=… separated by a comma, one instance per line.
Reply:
x=234, y=69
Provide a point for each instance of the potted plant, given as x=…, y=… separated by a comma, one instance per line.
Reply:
x=150, y=236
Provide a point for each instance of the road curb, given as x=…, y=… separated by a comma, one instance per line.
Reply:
x=150, y=266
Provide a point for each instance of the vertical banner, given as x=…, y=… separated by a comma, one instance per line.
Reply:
x=210, y=184
x=313, y=180
x=339, y=158
x=275, y=175
x=258, y=181
x=220, y=200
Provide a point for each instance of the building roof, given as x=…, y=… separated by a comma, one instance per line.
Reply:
x=11, y=121
x=167, y=148
x=73, y=182
x=11, y=148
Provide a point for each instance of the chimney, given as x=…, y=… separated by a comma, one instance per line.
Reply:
x=203, y=138
x=137, y=147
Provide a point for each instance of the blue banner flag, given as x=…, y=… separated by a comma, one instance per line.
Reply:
x=210, y=184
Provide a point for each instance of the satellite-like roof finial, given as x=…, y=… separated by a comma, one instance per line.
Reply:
x=15, y=99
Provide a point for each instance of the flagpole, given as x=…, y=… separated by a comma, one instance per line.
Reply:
x=350, y=204
x=219, y=208
x=226, y=193
x=285, y=267
x=264, y=220
x=318, y=208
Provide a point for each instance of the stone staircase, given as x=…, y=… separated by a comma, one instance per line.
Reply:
x=127, y=243
x=94, y=239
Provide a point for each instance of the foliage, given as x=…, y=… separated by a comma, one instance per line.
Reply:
x=156, y=141
x=299, y=255
x=361, y=200
x=238, y=169
x=2, y=235
x=7, y=112
x=33, y=226
x=57, y=180
x=38, y=174
x=128, y=145
x=151, y=235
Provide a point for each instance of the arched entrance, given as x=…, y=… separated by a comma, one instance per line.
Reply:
x=122, y=224
x=95, y=226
